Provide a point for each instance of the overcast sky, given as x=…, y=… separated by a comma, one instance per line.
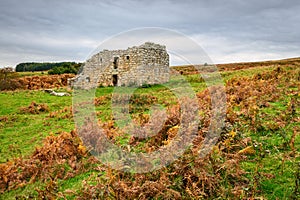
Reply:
x=227, y=30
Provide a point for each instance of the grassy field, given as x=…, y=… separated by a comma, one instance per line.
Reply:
x=22, y=74
x=257, y=155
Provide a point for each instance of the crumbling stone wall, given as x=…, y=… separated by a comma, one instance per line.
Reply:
x=144, y=64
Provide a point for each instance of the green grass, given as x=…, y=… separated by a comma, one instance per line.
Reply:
x=22, y=132
x=273, y=154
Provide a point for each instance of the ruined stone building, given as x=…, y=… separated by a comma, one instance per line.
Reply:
x=135, y=66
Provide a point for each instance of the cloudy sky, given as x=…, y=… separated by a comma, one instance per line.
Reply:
x=228, y=31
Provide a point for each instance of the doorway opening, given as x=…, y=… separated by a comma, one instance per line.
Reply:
x=115, y=80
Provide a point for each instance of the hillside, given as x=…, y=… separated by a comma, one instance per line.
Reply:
x=256, y=156
x=190, y=69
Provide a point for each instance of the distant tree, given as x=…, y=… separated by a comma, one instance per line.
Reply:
x=66, y=68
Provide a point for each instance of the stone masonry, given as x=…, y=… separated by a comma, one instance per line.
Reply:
x=138, y=65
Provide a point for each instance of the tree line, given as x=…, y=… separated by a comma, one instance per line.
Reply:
x=54, y=68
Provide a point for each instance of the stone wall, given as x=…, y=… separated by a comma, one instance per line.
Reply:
x=144, y=64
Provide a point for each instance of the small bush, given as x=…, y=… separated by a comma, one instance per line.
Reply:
x=7, y=81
